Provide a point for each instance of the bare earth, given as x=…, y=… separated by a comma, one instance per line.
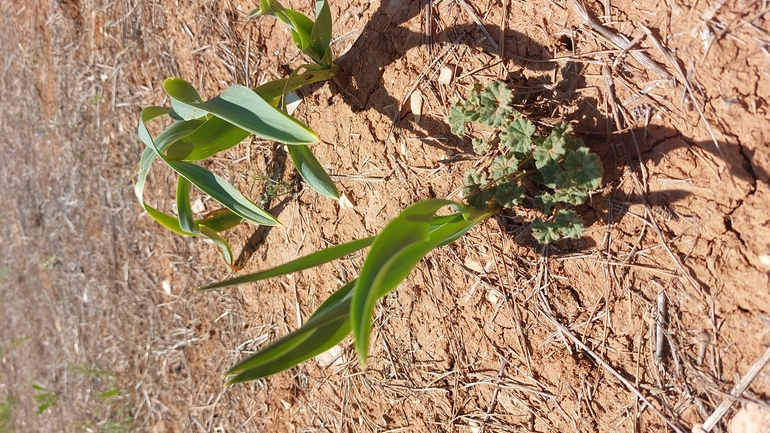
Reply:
x=491, y=333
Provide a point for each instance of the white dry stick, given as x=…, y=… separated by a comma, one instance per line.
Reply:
x=660, y=329
x=741, y=386
x=620, y=41
x=479, y=23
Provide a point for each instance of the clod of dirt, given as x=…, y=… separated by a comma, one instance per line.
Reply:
x=751, y=418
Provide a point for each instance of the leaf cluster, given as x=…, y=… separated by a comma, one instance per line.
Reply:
x=44, y=398
x=204, y=128
x=313, y=38
x=556, y=171
x=403, y=242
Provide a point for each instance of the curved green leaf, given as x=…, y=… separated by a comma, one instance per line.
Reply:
x=398, y=248
x=312, y=171
x=321, y=34
x=273, y=91
x=221, y=191
x=313, y=343
x=220, y=220
x=331, y=322
x=184, y=210
x=323, y=330
x=242, y=107
x=307, y=262
x=219, y=241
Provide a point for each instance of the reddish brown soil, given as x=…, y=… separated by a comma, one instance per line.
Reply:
x=470, y=341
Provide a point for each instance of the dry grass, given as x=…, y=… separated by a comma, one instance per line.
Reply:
x=490, y=333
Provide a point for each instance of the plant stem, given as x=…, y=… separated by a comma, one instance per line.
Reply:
x=273, y=91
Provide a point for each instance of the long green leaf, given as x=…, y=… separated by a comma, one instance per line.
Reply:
x=220, y=220
x=307, y=262
x=395, y=252
x=184, y=210
x=312, y=171
x=221, y=191
x=148, y=156
x=273, y=91
x=321, y=34
x=219, y=241
x=167, y=138
x=324, y=329
x=318, y=341
x=324, y=256
x=330, y=323
x=243, y=108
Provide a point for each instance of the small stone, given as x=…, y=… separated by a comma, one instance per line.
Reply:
x=445, y=75
x=415, y=103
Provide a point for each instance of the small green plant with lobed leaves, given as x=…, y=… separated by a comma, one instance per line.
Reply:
x=204, y=128
x=555, y=172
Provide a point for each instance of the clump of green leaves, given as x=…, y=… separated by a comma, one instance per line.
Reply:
x=558, y=164
x=44, y=398
x=6, y=410
x=554, y=172
x=204, y=128
x=403, y=242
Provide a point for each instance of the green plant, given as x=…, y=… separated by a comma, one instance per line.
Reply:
x=4, y=272
x=44, y=398
x=204, y=128
x=111, y=406
x=52, y=261
x=557, y=169
x=6, y=410
x=406, y=239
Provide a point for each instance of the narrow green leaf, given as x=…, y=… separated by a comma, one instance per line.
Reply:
x=273, y=91
x=324, y=329
x=242, y=107
x=184, y=95
x=312, y=171
x=321, y=34
x=219, y=241
x=309, y=261
x=177, y=131
x=148, y=156
x=397, y=250
x=220, y=220
x=330, y=323
x=402, y=264
x=301, y=28
x=221, y=191
x=184, y=210
x=317, y=341
x=411, y=226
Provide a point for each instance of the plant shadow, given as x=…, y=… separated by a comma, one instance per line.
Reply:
x=384, y=40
